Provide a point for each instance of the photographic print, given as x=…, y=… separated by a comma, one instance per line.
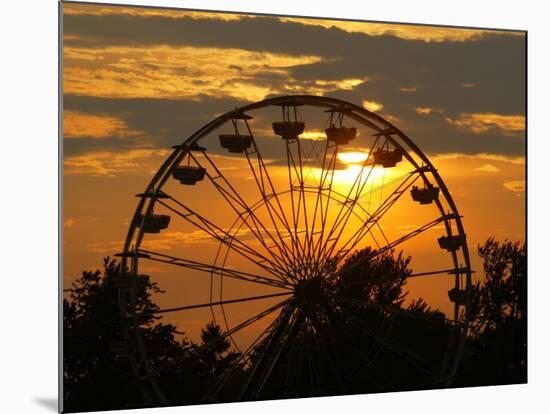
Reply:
x=262, y=207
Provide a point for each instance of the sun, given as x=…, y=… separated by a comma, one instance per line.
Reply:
x=353, y=157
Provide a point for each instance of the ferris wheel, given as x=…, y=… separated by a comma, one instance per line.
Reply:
x=255, y=222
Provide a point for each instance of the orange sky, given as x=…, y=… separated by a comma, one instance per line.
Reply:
x=126, y=101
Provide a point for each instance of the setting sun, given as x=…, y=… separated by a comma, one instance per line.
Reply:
x=353, y=157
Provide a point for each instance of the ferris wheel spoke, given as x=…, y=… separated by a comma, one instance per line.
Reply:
x=312, y=372
x=373, y=220
x=238, y=364
x=368, y=224
x=341, y=333
x=397, y=242
x=294, y=358
x=347, y=206
x=300, y=210
x=322, y=330
x=412, y=234
x=288, y=346
x=305, y=188
x=319, y=198
x=302, y=193
x=379, y=381
x=268, y=193
x=220, y=338
x=454, y=271
x=244, y=212
x=357, y=185
x=271, y=351
x=218, y=303
x=450, y=272
x=325, y=207
x=394, y=350
x=224, y=237
x=322, y=179
x=284, y=348
x=211, y=269
x=439, y=320
x=296, y=206
x=403, y=353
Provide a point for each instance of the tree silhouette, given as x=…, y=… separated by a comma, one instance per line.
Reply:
x=95, y=375
x=216, y=357
x=351, y=333
x=497, y=347
x=352, y=339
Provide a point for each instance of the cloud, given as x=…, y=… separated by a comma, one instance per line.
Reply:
x=372, y=105
x=427, y=111
x=105, y=247
x=517, y=186
x=187, y=72
x=167, y=240
x=488, y=168
x=98, y=10
x=481, y=156
x=110, y=164
x=79, y=124
x=484, y=122
x=171, y=239
x=186, y=69
x=404, y=31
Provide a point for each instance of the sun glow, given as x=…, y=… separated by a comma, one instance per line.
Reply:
x=353, y=157
x=354, y=175
x=314, y=135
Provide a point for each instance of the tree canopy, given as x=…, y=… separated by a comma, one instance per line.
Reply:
x=497, y=346
x=357, y=332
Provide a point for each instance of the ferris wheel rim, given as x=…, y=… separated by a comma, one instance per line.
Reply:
x=363, y=116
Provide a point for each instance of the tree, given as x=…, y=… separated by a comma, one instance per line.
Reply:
x=354, y=334
x=214, y=352
x=94, y=376
x=498, y=340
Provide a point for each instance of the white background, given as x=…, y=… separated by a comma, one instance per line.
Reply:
x=28, y=203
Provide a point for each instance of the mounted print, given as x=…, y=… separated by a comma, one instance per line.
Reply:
x=263, y=207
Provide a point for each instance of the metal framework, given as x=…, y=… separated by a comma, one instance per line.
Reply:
x=298, y=238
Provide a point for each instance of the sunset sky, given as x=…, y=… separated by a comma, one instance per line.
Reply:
x=138, y=80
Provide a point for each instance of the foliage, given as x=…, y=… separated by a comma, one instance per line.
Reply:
x=497, y=347
x=353, y=327
x=96, y=377
x=355, y=335
x=378, y=279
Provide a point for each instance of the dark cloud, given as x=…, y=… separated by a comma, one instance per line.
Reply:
x=165, y=122
x=162, y=122
x=493, y=66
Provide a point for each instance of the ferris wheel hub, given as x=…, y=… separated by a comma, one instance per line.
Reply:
x=311, y=292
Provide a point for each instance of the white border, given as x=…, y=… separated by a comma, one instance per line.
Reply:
x=29, y=202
